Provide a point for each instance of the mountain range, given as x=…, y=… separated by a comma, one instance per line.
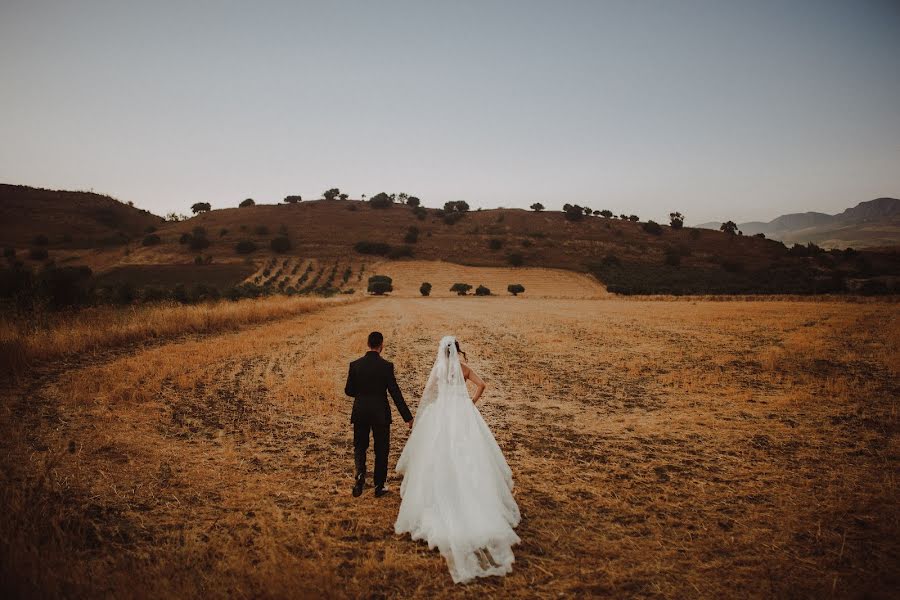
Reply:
x=869, y=224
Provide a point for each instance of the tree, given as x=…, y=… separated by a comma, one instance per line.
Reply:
x=515, y=289
x=676, y=220
x=634, y=218
x=623, y=217
x=380, y=200
x=380, y=285
x=537, y=207
x=652, y=227
x=174, y=217
x=413, y=201
x=331, y=194
x=293, y=199
x=281, y=244
x=245, y=247
x=729, y=227
x=459, y=206
x=573, y=212
x=460, y=288
x=247, y=202
x=402, y=198
x=606, y=213
x=200, y=207
x=587, y=211
x=482, y=291
x=425, y=289
x=343, y=196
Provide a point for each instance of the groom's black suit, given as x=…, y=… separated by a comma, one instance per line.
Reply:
x=368, y=382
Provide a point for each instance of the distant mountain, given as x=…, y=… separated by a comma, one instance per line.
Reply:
x=868, y=224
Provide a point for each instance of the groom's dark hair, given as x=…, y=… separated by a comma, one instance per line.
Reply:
x=375, y=339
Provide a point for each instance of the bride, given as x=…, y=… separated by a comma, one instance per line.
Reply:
x=457, y=487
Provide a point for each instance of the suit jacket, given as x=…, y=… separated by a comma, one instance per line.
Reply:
x=368, y=382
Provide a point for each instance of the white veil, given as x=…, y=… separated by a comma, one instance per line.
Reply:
x=446, y=379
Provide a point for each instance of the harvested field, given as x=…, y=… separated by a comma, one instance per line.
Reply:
x=660, y=449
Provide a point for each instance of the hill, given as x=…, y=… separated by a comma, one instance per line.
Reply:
x=329, y=238
x=869, y=224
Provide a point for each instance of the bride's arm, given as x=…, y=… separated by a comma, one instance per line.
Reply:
x=474, y=378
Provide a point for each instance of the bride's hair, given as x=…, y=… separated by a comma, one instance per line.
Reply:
x=460, y=351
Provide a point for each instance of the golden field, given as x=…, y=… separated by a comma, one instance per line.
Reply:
x=663, y=449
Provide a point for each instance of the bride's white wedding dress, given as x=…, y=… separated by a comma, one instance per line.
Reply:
x=457, y=487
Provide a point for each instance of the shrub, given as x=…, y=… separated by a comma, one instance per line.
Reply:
x=515, y=289
x=151, y=240
x=281, y=244
x=40, y=240
x=400, y=252
x=412, y=235
x=64, y=287
x=760, y=235
x=198, y=242
x=482, y=291
x=245, y=247
x=460, y=288
x=38, y=254
x=413, y=201
x=515, y=259
x=633, y=218
x=331, y=194
x=380, y=285
x=676, y=220
x=200, y=207
x=606, y=214
x=292, y=199
x=380, y=200
x=425, y=289
x=420, y=213
x=653, y=228
x=185, y=238
x=495, y=243
x=247, y=202
x=537, y=207
x=450, y=218
x=377, y=248
x=573, y=212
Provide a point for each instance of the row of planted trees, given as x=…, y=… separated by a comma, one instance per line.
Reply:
x=380, y=285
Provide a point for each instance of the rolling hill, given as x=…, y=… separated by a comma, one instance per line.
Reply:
x=869, y=224
x=337, y=235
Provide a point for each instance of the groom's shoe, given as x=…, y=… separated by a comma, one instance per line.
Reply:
x=358, y=487
x=381, y=490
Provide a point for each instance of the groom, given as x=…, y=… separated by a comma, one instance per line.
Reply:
x=369, y=379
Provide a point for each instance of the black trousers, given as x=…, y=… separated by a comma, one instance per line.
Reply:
x=382, y=436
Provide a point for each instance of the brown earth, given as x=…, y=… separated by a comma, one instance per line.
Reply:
x=659, y=449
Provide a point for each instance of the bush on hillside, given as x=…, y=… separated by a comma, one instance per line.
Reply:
x=281, y=244
x=400, y=252
x=413, y=201
x=653, y=228
x=515, y=259
x=482, y=291
x=381, y=200
x=376, y=248
x=200, y=207
x=425, y=289
x=515, y=289
x=573, y=212
x=412, y=235
x=460, y=288
x=676, y=220
x=380, y=285
x=245, y=247
x=246, y=203
x=198, y=242
x=537, y=207
x=38, y=254
x=292, y=199
x=495, y=243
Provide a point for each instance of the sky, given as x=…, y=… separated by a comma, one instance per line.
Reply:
x=718, y=109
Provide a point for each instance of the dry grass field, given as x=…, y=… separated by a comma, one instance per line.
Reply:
x=663, y=449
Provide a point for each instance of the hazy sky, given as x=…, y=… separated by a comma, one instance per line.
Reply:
x=742, y=110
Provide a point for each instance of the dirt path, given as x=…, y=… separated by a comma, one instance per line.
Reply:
x=659, y=449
